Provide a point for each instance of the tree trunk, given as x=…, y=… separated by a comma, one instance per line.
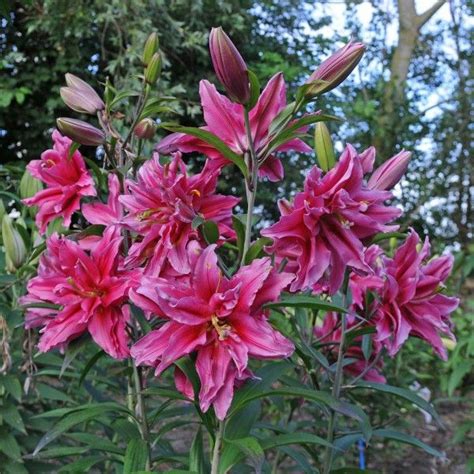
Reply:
x=409, y=26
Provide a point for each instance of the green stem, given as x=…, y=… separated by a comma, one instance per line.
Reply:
x=250, y=185
x=216, y=453
x=336, y=390
x=141, y=412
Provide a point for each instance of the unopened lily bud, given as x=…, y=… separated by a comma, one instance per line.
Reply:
x=390, y=173
x=75, y=100
x=151, y=47
x=324, y=147
x=229, y=66
x=153, y=69
x=2, y=209
x=85, y=90
x=29, y=185
x=145, y=129
x=15, y=249
x=335, y=69
x=80, y=132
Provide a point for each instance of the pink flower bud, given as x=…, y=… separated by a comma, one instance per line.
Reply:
x=229, y=66
x=145, y=129
x=336, y=68
x=80, y=132
x=77, y=101
x=389, y=173
x=81, y=87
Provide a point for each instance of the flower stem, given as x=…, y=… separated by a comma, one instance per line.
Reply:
x=141, y=412
x=250, y=185
x=216, y=454
x=336, y=390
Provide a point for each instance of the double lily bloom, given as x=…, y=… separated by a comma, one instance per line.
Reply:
x=162, y=205
x=408, y=300
x=66, y=179
x=322, y=231
x=220, y=319
x=91, y=290
x=225, y=119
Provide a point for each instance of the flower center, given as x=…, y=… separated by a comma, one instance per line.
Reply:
x=159, y=215
x=96, y=292
x=222, y=329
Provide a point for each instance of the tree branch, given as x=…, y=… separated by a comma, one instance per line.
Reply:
x=424, y=17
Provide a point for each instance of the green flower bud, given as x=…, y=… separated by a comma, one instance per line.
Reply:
x=29, y=186
x=151, y=47
x=323, y=147
x=153, y=69
x=15, y=248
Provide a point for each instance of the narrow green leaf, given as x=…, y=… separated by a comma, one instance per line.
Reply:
x=51, y=393
x=90, y=364
x=12, y=386
x=248, y=448
x=9, y=446
x=197, y=458
x=10, y=414
x=97, y=172
x=293, y=438
x=289, y=132
x=73, y=349
x=304, y=301
x=254, y=90
x=402, y=393
x=214, y=141
x=81, y=465
x=210, y=232
x=256, y=248
x=136, y=456
x=387, y=235
x=407, y=439
x=122, y=96
x=93, y=412
x=239, y=228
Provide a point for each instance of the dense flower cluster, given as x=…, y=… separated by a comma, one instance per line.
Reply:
x=153, y=252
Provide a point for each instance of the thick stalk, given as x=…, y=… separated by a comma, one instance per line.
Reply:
x=141, y=412
x=336, y=390
x=216, y=453
x=250, y=185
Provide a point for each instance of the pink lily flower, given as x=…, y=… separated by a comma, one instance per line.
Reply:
x=110, y=214
x=225, y=119
x=220, y=319
x=322, y=232
x=329, y=332
x=67, y=180
x=91, y=289
x=408, y=301
x=162, y=205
